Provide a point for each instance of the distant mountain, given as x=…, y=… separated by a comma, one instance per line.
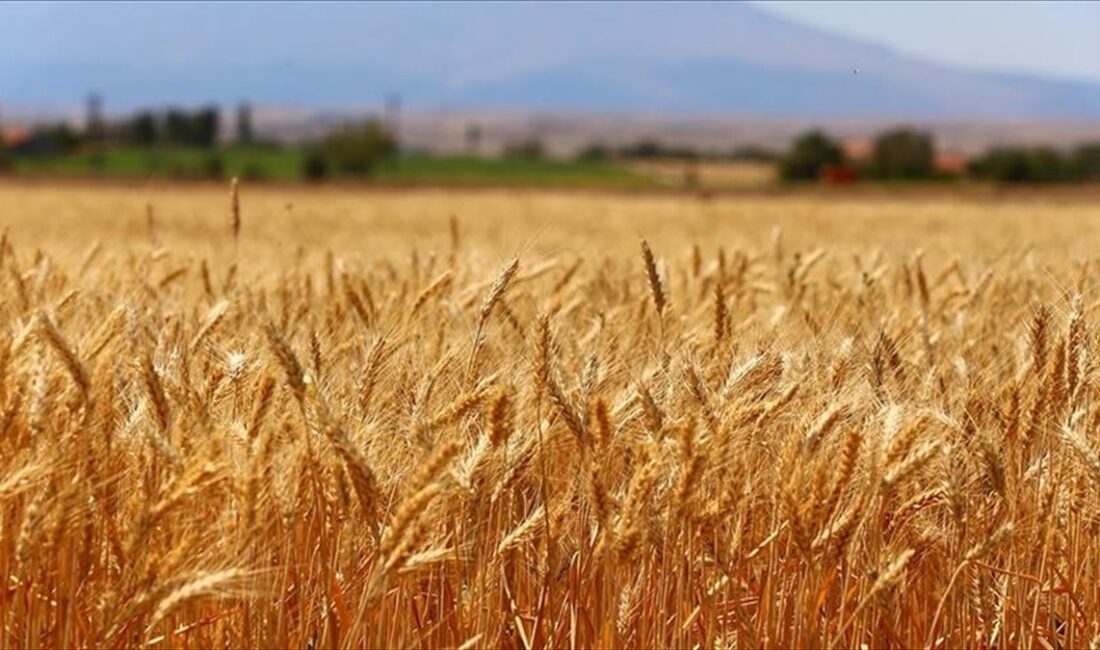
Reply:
x=658, y=58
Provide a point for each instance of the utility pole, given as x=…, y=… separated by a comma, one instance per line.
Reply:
x=93, y=120
x=392, y=117
x=473, y=139
x=244, y=123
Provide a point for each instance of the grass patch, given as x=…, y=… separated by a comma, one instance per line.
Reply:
x=259, y=163
x=285, y=164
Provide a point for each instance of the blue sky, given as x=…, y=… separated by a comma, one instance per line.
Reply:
x=1049, y=38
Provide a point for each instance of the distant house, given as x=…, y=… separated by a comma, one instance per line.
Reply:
x=15, y=137
x=42, y=140
x=857, y=151
x=952, y=163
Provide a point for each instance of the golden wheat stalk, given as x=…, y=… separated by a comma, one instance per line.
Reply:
x=235, y=209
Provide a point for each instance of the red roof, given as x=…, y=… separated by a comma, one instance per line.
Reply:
x=13, y=136
x=857, y=149
x=951, y=162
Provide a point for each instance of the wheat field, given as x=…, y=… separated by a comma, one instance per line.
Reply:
x=331, y=418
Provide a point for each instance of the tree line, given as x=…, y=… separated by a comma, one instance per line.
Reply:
x=353, y=150
x=910, y=155
x=356, y=149
x=199, y=128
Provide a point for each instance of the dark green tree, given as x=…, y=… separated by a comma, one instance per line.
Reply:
x=1023, y=165
x=903, y=154
x=809, y=155
x=204, y=127
x=177, y=126
x=1085, y=162
x=142, y=129
x=199, y=128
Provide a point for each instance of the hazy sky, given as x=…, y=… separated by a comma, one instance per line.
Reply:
x=1051, y=38
x=688, y=56
x=1058, y=38
x=1055, y=38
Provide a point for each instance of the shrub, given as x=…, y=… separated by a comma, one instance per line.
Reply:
x=356, y=150
x=314, y=166
x=531, y=149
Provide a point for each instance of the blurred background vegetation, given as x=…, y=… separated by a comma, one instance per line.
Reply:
x=179, y=143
